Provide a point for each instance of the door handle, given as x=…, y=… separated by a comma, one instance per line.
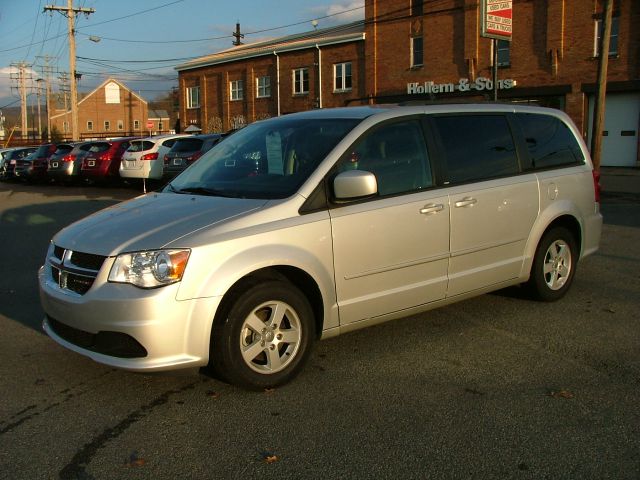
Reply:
x=432, y=208
x=466, y=202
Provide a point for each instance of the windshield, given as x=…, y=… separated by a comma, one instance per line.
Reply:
x=140, y=146
x=269, y=159
x=187, y=145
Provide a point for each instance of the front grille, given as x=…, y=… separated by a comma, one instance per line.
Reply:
x=115, y=344
x=74, y=271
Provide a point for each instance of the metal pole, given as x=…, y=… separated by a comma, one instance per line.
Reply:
x=601, y=87
x=495, y=69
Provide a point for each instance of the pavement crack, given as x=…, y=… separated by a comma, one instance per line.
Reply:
x=76, y=468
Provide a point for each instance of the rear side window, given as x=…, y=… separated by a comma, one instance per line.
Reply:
x=187, y=145
x=140, y=146
x=549, y=141
x=63, y=149
x=476, y=147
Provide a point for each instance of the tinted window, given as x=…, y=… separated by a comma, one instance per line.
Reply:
x=99, y=147
x=187, y=145
x=476, y=147
x=42, y=151
x=396, y=154
x=140, y=146
x=63, y=149
x=549, y=140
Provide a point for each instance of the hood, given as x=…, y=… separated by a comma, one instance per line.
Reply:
x=150, y=222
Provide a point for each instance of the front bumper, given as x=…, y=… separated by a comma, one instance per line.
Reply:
x=173, y=334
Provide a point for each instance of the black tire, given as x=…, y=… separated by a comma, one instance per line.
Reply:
x=554, y=265
x=264, y=338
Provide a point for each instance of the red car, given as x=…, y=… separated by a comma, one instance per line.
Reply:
x=104, y=157
x=34, y=167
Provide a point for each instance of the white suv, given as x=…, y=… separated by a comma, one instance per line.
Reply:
x=314, y=224
x=144, y=158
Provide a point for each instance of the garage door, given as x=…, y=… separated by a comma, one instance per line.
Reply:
x=622, y=118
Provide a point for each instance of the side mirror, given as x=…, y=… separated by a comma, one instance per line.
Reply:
x=354, y=184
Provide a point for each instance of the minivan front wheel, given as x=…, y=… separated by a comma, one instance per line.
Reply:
x=266, y=336
x=554, y=265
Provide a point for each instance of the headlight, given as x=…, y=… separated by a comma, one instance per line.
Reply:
x=150, y=269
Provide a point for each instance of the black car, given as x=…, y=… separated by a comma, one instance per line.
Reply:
x=186, y=151
x=34, y=166
x=9, y=166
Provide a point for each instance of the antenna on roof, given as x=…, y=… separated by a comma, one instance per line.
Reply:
x=238, y=35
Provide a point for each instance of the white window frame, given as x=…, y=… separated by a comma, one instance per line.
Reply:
x=136, y=124
x=412, y=48
x=300, y=75
x=342, y=80
x=614, y=38
x=107, y=126
x=89, y=125
x=193, y=97
x=263, y=87
x=236, y=90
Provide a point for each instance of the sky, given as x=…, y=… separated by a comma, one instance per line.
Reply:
x=141, y=41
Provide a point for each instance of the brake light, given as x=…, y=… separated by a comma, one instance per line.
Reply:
x=105, y=157
x=150, y=156
x=194, y=157
x=68, y=158
x=596, y=185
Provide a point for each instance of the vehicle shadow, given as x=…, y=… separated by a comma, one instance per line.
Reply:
x=25, y=233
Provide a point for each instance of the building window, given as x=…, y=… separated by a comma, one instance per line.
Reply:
x=416, y=8
x=136, y=124
x=613, y=38
x=120, y=125
x=107, y=125
x=416, y=52
x=236, y=88
x=160, y=126
x=263, y=87
x=342, y=76
x=65, y=127
x=504, y=53
x=193, y=97
x=89, y=126
x=300, y=81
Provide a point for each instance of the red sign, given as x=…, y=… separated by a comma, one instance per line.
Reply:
x=497, y=21
x=149, y=125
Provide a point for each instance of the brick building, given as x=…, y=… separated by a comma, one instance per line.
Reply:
x=419, y=50
x=316, y=69
x=111, y=110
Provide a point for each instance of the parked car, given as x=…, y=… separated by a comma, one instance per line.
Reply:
x=104, y=157
x=144, y=158
x=11, y=159
x=186, y=151
x=34, y=166
x=4, y=154
x=318, y=223
x=64, y=164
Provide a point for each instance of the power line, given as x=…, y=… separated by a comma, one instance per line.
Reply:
x=137, y=13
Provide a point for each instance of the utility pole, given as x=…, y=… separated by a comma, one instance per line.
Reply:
x=45, y=71
x=21, y=77
x=70, y=12
x=601, y=86
x=238, y=35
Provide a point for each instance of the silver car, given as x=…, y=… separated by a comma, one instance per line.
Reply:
x=314, y=224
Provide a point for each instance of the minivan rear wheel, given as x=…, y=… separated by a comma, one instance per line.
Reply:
x=266, y=336
x=554, y=265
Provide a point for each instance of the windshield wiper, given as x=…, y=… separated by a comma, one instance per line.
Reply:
x=202, y=191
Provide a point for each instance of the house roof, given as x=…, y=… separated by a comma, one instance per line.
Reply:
x=328, y=36
x=102, y=85
x=157, y=114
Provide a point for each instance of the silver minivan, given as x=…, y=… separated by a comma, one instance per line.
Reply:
x=314, y=224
